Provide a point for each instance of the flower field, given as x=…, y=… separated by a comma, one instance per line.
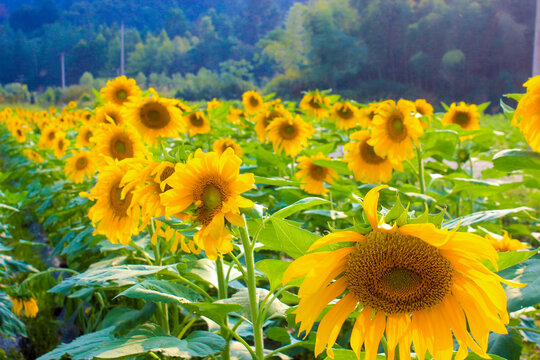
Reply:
x=147, y=227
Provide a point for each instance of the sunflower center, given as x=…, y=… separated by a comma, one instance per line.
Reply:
x=212, y=192
x=461, y=118
x=19, y=132
x=211, y=197
x=196, y=120
x=317, y=172
x=121, y=147
x=288, y=131
x=88, y=135
x=121, y=94
x=368, y=154
x=51, y=135
x=81, y=163
x=345, y=113
x=155, y=116
x=119, y=205
x=314, y=103
x=253, y=101
x=396, y=273
x=396, y=128
x=60, y=144
x=168, y=171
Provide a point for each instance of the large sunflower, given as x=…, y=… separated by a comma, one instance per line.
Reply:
x=289, y=135
x=220, y=145
x=365, y=164
x=345, y=114
x=113, y=212
x=527, y=114
x=119, y=142
x=118, y=91
x=395, y=130
x=463, y=115
x=313, y=175
x=265, y=118
x=253, y=102
x=211, y=183
x=154, y=117
x=80, y=165
x=415, y=282
x=197, y=123
x=315, y=104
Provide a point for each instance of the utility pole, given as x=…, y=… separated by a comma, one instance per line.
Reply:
x=536, y=45
x=122, y=72
x=63, y=70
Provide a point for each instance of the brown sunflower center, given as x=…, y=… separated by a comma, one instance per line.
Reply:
x=119, y=205
x=253, y=101
x=121, y=94
x=113, y=116
x=196, y=120
x=61, y=144
x=368, y=154
x=461, y=118
x=396, y=273
x=121, y=146
x=81, y=163
x=154, y=115
x=314, y=103
x=19, y=133
x=317, y=172
x=165, y=174
x=345, y=113
x=51, y=135
x=88, y=135
x=212, y=192
x=396, y=128
x=288, y=131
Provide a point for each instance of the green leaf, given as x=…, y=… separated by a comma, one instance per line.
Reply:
x=123, y=318
x=516, y=159
x=206, y=270
x=526, y=273
x=274, y=270
x=332, y=214
x=482, y=216
x=508, y=346
x=440, y=142
x=279, y=334
x=276, y=309
x=473, y=356
x=341, y=167
x=214, y=311
x=344, y=354
x=277, y=181
x=511, y=258
x=286, y=236
x=300, y=205
x=482, y=187
x=161, y=291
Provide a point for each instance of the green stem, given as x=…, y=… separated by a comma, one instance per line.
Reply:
x=166, y=318
x=175, y=323
x=385, y=345
x=421, y=178
x=252, y=291
x=222, y=294
x=293, y=169
x=186, y=327
x=138, y=248
x=527, y=329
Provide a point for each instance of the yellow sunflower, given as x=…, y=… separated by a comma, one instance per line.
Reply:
x=79, y=166
x=221, y=145
x=505, y=243
x=84, y=137
x=315, y=104
x=213, y=184
x=19, y=131
x=109, y=113
x=197, y=123
x=33, y=156
x=463, y=115
x=367, y=114
x=423, y=108
x=119, y=142
x=213, y=104
x=118, y=91
x=345, y=114
x=113, y=212
x=60, y=145
x=154, y=117
x=527, y=113
x=365, y=164
x=28, y=304
x=395, y=130
x=46, y=139
x=313, y=175
x=86, y=117
x=265, y=118
x=289, y=135
x=253, y=102
x=416, y=283
x=174, y=239
x=235, y=116
x=71, y=105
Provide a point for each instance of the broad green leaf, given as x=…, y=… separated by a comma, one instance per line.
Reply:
x=274, y=270
x=482, y=216
x=161, y=291
x=217, y=312
x=286, y=236
x=440, y=142
x=511, y=258
x=279, y=334
x=123, y=318
x=300, y=205
x=332, y=214
x=482, y=187
x=516, y=159
x=206, y=270
x=276, y=309
x=340, y=167
x=508, y=346
x=275, y=181
x=526, y=273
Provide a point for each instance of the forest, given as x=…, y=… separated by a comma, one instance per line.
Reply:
x=363, y=49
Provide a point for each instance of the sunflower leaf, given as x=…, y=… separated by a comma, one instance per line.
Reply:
x=482, y=216
x=340, y=167
x=516, y=159
x=300, y=205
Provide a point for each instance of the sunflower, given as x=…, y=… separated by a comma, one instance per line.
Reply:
x=235, y=116
x=526, y=114
x=197, y=123
x=119, y=142
x=221, y=145
x=395, y=130
x=365, y=164
x=289, y=135
x=19, y=131
x=109, y=113
x=315, y=104
x=118, y=91
x=211, y=183
x=33, y=156
x=265, y=118
x=367, y=114
x=463, y=115
x=113, y=212
x=80, y=165
x=47, y=137
x=505, y=243
x=28, y=304
x=71, y=105
x=60, y=145
x=423, y=108
x=345, y=114
x=253, y=102
x=313, y=175
x=174, y=238
x=84, y=137
x=415, y=282
x=213, y=104
x=154, y=117
x=86, y=117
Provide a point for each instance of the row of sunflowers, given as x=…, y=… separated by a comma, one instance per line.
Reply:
x=259, y=228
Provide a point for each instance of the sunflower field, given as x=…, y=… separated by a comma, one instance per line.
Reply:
x=146, y=227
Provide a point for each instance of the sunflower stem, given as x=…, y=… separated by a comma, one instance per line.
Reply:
x=385, y=345
x=293, y=169
x=138, y=248
x=421, y=178
x=222, y=294
x=252, y=290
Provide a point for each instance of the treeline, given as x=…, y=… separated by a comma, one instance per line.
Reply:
x=363, y=49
